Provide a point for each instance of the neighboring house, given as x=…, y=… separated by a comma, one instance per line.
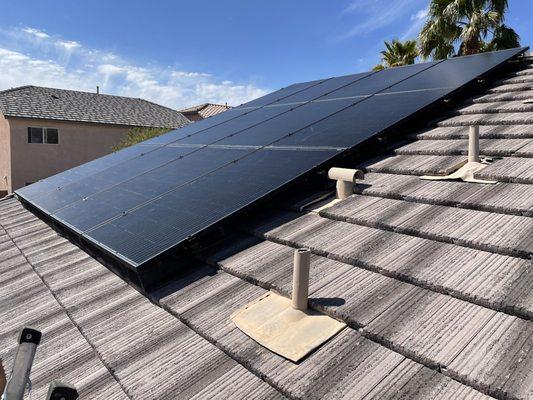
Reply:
x=44, y=131
x=433, y=278
x=203, y=111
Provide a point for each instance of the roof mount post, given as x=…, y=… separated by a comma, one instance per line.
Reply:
x=288, y=327
x=345, y=178
x=473, y=144
x=300, y=279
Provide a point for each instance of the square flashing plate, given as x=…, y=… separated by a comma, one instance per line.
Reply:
x=273, y=323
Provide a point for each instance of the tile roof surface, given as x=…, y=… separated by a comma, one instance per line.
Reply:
x=205, y=110
x=69, y=105
x=433, y=278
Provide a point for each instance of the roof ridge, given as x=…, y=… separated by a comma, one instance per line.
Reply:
x=195, y=108
x=14, y=89
x=218, y=104
x=82, y=91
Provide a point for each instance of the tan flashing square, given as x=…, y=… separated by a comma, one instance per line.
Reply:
x=465, y=173
x=273, y=323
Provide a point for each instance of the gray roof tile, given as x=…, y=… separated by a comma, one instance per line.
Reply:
x=516, y=118
x=442, y=223
x=485, y=132
x=100, y=334
x=334, y=371
x=205, y=110
x=510, y=169
x=488, y=147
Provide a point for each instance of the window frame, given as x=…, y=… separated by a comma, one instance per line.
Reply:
x=44, y=135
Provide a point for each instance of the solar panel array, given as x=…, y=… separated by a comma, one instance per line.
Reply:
x=146, y=199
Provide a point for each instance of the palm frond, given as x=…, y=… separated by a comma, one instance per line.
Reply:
x=473, y=25
x=399, y=53
x=505, y=38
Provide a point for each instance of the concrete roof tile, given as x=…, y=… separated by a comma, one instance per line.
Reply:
x=131, y=355
x=485, y=132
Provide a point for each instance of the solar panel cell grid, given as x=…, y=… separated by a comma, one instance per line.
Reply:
x=184, y=212
x=108, y=203
x=285, y=124
x=380, y=81
x=276, y=96
x=355, y=124
x=453, y=72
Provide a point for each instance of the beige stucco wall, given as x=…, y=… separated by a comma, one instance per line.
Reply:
x=193, y=117
x=78, y=143
x=5, y=165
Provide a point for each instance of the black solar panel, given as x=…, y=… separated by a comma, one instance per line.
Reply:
x=146, y=199
x=356, y=123
x=137, y=188
x=454, y=72
x=282, y=93
x=380, y=81
x=183, y=212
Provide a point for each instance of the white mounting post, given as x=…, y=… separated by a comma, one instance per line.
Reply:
x=300, y=279
x=345, y=178
x=473, y=144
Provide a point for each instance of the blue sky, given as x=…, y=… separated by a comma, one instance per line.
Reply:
x=179, y=53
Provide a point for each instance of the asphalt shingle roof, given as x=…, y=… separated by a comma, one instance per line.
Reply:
x=433, y=278
x=69, y=105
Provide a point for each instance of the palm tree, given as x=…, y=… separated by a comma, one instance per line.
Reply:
x=474, y=25
x=397, y=54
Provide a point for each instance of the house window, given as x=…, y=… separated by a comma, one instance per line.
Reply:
x=43, y=135
x=35, y=135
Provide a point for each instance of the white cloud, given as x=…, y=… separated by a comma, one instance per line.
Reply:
x=373, y=15
x=417, y=21
x=420, y=15
x=20, y=69
x=181, y=74
x=67, y=64
x=68, y=44
x=36, y=33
